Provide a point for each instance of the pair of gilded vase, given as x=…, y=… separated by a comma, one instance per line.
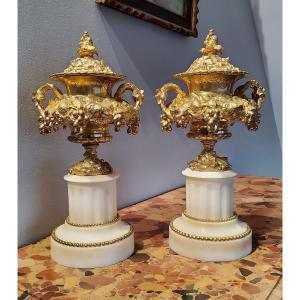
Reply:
x=88, y=107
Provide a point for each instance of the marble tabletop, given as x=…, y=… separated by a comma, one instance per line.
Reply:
x=156, y=272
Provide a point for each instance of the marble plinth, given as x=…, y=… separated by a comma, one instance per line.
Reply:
x=208, y=229
x=92, y=235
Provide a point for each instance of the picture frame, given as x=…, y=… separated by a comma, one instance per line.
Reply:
x=176, y=15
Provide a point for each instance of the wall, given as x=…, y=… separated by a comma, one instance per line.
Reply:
x=268, y=22
x=151, y=162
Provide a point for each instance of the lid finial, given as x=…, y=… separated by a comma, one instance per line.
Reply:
x=211, y=44
x=86, y=47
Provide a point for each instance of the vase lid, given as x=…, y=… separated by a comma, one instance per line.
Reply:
x=211, y=62
x=86, y=64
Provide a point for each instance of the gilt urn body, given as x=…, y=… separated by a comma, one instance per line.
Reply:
x=88, y=107
x=210, y=104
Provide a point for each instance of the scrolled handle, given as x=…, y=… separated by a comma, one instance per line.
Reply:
x=161, y=95
x=258, y=93
x=38, y=98
x=137, y=94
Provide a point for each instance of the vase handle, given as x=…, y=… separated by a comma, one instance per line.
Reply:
x=38, y=98
x=137, y=94
x=258, y=93
x=161, y=95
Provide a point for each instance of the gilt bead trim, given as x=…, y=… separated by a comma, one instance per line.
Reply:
x=95, y=244
x=247, y=232
x=221, y=220
x=114, y=220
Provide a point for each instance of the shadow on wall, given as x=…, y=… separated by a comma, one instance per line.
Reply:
x=50, y=205
x=268, y=22
x=258, y=24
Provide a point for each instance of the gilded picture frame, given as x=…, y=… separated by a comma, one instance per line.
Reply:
x=176, y=15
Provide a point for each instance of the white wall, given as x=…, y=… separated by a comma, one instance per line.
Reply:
x=268, y=21
x=151, y=162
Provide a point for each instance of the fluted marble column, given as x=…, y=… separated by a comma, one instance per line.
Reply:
x=92, y=199
x=209, y=194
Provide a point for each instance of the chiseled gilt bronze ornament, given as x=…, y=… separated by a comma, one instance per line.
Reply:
x=88, y=107
x=211, y=105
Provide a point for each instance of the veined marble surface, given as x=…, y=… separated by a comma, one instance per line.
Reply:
x=155, y=272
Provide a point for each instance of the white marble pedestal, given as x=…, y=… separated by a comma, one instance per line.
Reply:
x=93, y=234
x=208, y=229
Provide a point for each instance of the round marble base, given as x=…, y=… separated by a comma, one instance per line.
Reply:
x=90, y=247
x=210, y=241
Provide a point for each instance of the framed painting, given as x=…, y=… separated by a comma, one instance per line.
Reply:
x=176, y=15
